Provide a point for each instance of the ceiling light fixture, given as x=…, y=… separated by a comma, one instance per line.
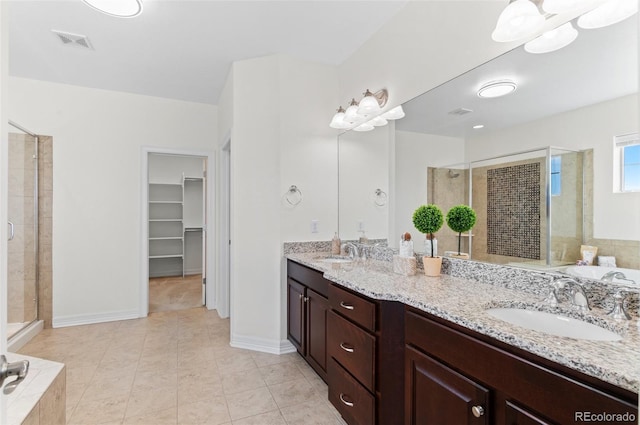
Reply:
x=497, y=88
x=477, y=127
x=365, y=115
x=609, y=13
x=118, y=8
x=562, y=6
x=553, y=40
x=520, y=19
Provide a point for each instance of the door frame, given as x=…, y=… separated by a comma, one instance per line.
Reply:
x=208, y=230
x=223, y=284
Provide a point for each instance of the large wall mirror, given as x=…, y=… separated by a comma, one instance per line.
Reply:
x=569, y=109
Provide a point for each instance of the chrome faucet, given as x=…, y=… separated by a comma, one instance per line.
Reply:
x=351, y=249
x=18, y=369
x=577, y=294
x=609, y=276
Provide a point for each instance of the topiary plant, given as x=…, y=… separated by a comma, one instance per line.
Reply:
x=428, y=219
x=461, y=218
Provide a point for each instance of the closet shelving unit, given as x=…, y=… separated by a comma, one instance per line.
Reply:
x=166, y=231
x=175, y=216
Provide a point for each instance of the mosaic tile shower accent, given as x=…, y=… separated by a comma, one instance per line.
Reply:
x=513, y=211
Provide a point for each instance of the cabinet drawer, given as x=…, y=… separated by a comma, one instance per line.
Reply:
x=353, y=348
x=310, y=278
x=353, y=307
x=352, y=400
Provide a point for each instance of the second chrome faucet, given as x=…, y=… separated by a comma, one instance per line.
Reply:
x=577, y=294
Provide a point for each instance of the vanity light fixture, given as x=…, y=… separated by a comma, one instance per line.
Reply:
x=394, y=113
x=338, y=120
x=520, y=19
x=552, y=40
x=497, y=89
x=117, y=8
x=609, y=13
x=364, y=115
x=364, y=127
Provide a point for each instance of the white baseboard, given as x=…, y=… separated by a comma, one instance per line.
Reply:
x=262, y=344
x=89, y=319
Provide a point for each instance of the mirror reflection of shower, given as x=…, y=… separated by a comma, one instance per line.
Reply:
x=23, y=247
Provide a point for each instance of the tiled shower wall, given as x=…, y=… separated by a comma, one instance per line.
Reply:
x=22, y=272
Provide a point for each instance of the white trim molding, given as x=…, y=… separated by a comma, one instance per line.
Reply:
x=90, y=319
x=262, y=344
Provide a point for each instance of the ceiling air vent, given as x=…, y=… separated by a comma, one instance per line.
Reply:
x=460, y=111
x=76, y=40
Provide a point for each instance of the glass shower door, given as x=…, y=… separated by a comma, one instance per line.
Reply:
x=22, y=244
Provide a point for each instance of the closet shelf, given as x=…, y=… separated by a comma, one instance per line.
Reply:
x=165, y=184
x=166, y=238
x=165, y=220
x=165, y=202
x=151, y=257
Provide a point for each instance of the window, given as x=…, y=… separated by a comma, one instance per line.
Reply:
x=556, y=176
x=628, y=157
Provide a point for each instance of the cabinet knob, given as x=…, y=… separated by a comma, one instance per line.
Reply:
x=343, y=400
x=477, y=411
x=346, y=306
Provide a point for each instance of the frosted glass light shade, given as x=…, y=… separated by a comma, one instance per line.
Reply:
x=553, y=40
x=394, y=114
x=368, y=105
x=518, y=20
x=338, y=121
x=378, y=121
x=609, y=13
x=119, y=8
x=364, y=127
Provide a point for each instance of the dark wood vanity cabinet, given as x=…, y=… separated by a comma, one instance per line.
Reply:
x=365, y=349
x=307, y=308
x=455, y=376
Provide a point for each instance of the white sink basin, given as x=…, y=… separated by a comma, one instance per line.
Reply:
x=336, y=260
x=554, y=324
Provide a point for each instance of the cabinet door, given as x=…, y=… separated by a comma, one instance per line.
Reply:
x=317, y=308
x=435, y=394
x=295, y=315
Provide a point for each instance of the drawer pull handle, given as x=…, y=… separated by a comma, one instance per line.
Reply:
x=477, y=411
x=346, y=347
x=342, y=399
x=346, y=306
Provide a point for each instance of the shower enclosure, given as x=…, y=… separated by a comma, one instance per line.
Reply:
x=530, y=206
x=22, y=247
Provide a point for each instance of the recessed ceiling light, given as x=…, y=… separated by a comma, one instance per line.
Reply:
x=118, y=8
x=476, y=127
x=497, y=88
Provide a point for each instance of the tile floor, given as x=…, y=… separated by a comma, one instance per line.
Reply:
x=175, y=293
x=176, y=367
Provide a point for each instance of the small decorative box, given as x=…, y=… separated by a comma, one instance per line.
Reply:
x=404, y=265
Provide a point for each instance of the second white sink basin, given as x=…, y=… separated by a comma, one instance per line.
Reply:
x=554, y=324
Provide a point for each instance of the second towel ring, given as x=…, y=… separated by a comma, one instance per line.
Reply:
x=380, y=198
x=293, y=195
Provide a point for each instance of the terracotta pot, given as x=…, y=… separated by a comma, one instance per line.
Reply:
x=432, y=265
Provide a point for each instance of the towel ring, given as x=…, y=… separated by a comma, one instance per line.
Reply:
x=293, y=195
x=380, y=198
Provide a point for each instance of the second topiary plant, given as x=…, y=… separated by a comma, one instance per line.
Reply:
x=461, y=218
x=428, y=219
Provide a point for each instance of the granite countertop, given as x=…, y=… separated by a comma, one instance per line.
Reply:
x=463, y=302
